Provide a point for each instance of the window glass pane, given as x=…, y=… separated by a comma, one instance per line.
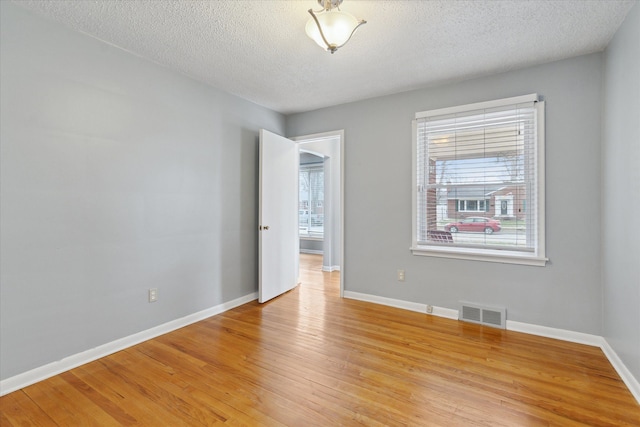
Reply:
x=316, y=211
x=311, y=201
x=303, y=201
x=478, y=164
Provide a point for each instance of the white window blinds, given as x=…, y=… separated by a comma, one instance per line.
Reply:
x=477, y=176
x=311, y=201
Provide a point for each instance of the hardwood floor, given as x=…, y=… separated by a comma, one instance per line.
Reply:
x=310, y=358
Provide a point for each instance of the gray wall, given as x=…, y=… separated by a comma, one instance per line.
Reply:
x=621, y=193
x=117, y=176
x=567, y=292
x=311, y=245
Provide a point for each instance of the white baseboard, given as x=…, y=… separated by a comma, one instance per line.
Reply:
x=412, y=306
x=527, y=328
x=581, y=338
x=43, y=372
x=54, y=368
x=407, y=305
x=331, y=268
x=632, y=383
x=559, y=334
x=449, y=313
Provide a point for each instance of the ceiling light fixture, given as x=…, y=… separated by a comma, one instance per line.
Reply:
x=331, y=28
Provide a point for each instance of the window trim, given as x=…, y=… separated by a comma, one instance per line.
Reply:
x=535, y=258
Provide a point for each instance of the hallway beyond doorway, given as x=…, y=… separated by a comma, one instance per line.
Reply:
x=312, y=276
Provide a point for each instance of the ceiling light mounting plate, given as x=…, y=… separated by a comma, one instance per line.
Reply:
x=329, y=4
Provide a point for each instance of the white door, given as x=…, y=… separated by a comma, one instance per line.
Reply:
x=278, y=216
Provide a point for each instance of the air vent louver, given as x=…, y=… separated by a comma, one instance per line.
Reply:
x=490, y=316
x=471, y=313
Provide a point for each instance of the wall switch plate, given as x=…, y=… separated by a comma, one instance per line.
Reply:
x=153, y=294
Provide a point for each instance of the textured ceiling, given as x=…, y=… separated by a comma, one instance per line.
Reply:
x=258, y=49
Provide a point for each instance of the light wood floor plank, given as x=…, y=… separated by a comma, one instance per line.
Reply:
x=309, y=358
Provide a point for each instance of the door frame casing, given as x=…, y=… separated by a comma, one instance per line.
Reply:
x=329, y=135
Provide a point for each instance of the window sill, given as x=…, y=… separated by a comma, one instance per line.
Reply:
x=487, y=255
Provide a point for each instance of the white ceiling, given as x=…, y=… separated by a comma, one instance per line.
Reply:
x=258, y=50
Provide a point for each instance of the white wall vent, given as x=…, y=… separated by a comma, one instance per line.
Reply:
x=484, y=315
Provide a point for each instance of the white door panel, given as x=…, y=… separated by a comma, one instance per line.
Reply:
x=278, y=216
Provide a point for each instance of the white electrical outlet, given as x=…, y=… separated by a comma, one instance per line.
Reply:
x=153, y=294
x=401, y=275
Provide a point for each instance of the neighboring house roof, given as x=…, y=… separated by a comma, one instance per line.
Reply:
x=476, y=193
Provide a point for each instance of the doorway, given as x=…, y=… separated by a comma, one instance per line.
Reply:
x=328, y=148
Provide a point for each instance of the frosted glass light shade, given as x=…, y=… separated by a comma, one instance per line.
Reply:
x=337, y=27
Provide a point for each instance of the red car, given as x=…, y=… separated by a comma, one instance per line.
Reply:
x=476, y=223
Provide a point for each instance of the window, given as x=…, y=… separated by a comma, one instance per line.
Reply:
x=476, y=167
x=472, y=205
x=311, y=201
